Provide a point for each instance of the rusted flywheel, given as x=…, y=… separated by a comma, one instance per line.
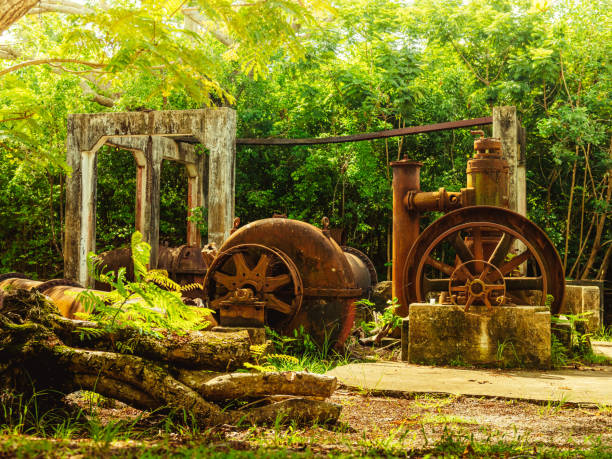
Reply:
x=268, y=272
x=484, y=255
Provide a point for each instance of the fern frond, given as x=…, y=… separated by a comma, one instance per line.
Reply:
x=283, y=358
x=258, y=350
x=260, y=368
x=141, y=254
x=190, y=287
x=160, y=277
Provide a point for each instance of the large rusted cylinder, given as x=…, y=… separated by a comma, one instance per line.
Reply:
x=298, y=270
x=18, y=283
x=363, y=269
x=487, y=173
x=65, y=298
x=406, y=178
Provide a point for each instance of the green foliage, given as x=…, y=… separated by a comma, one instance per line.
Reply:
x=603, y=334
x=299, y=353
x=373, y=65
x=580, y=350
x=388, y=319
x=151, y=304
x=558, y=353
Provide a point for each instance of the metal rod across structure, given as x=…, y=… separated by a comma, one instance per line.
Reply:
x=372, y=135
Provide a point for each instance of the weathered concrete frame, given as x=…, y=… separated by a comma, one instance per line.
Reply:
x=152, y=137
x=507, y=127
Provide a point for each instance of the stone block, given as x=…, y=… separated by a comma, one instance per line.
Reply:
x=405, y=338
x=573, y=300
x=591, y=304
x=507, y=336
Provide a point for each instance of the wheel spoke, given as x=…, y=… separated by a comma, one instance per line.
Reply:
x=241, y=265
x=262, y=266
x=273, y=283
x=229, y=282
x=469, y=301
x=440, y=266
x=523, y=283
x=507, y=268
x=274, y=303
x=501, y=250
x=462, y=250
x=477, y=248
x=485, y=298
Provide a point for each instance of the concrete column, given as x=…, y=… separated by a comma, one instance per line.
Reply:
x=154, y=154
x=507, y=128
x=80, y=235
x=195, y=198
x=220, y=140
x=73, y=204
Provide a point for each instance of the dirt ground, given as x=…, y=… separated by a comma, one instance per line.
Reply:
x=369, y=425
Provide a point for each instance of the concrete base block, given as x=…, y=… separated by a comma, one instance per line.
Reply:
x=507, y=336
x=587, y=300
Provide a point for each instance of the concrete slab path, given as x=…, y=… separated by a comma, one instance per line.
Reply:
x=577, y=386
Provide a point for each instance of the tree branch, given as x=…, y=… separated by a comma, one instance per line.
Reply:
x=469, y=64
x=61, y=6
x=193, y=15
x=49, y=61
x=96, y=97
x=13, y=10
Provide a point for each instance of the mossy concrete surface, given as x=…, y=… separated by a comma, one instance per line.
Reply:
x=585, y=300
x=506, y=336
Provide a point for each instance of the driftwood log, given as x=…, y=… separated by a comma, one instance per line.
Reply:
x=43, y=352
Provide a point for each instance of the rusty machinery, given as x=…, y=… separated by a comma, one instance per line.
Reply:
x=479, y=252
x=288, y=274
x=63, y=292
x=185, y=264
x=278, y=272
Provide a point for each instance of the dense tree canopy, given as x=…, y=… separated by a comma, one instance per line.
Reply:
x=292, y=71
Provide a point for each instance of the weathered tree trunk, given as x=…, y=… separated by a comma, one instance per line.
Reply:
x=42, y=351
x=13, y=10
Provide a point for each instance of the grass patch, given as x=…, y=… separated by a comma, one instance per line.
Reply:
x=603, y=334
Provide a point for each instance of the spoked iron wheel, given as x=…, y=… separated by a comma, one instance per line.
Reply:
x=268, y=273
x=484, y=255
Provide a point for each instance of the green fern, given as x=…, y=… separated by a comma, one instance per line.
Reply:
x=282, y=359
x=144, y=304
x=260, y=368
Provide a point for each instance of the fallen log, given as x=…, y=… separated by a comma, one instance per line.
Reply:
x=241, y=385
x=42, y=352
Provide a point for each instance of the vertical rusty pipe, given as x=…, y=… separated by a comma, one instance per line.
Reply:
x=406, y=177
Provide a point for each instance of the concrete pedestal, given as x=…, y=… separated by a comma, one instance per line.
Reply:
x=507, y=336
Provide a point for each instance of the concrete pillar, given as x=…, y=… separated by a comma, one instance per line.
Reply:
x=80, y=235
x=507, y=128
x=154, y=155
x=195, y=198
x=220, y=140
